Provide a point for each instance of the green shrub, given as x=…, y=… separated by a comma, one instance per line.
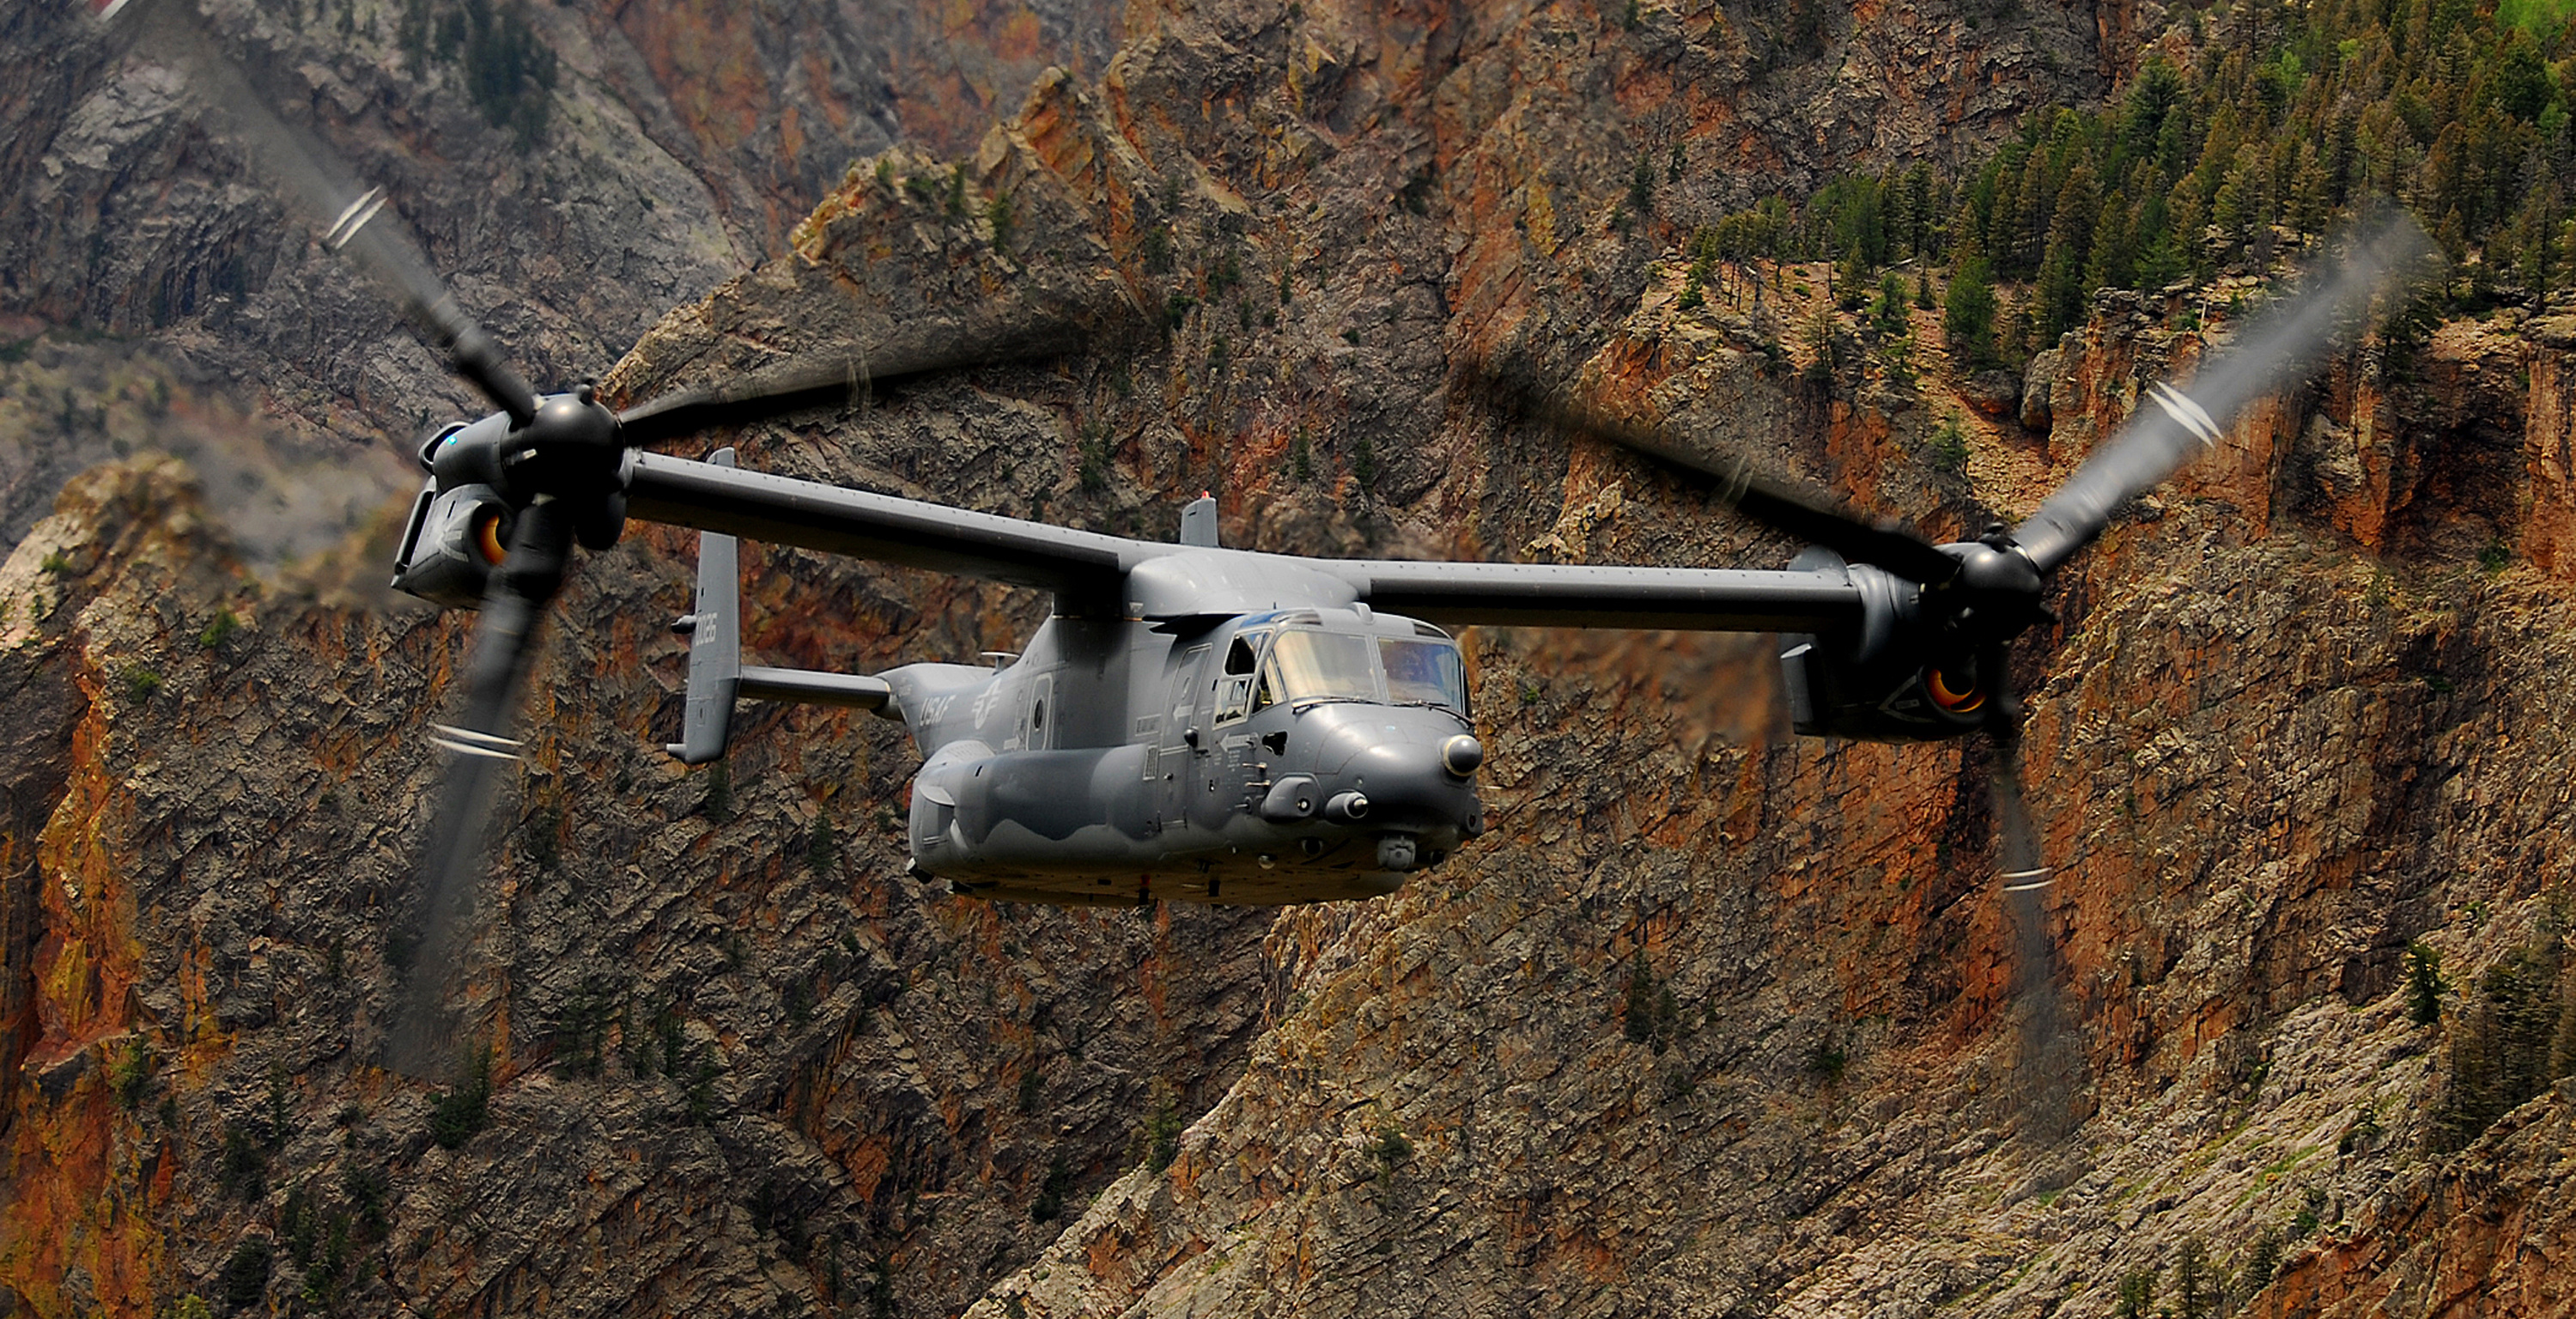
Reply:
x=461, y=1114
x=245, y=1275
x=219, y=630
x=1161, y=1136
x=129, y=1073
x=1389, y=1151
x=541, y=837
x=241, y=1168
x=2261, y=1263
x=2195, y=1286
x=1827, y=1061
x=698, y=1103
x=1947, y=449
x=1648, y=1014
x=2137, y=1294
x=822, y=847
x=368, y=1191
x=1049, y=1204
x=2424, y=985
x=997, y=213
x=1968, y=313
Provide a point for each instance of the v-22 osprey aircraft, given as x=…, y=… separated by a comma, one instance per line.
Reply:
x=1207, y=724
x=1192, y=722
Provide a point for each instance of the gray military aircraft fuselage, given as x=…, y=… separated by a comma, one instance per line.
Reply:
x=1192, y=722
x=1283, y=756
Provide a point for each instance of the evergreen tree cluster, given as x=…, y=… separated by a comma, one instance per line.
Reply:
x=508, y=72
x=2514, y=1038
x=2286, y=121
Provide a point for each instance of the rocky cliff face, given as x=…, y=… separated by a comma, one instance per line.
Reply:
x=574, y=170
x=1714, y=1020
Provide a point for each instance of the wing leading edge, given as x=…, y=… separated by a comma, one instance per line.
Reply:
x=1587, y=595
x=837, y=520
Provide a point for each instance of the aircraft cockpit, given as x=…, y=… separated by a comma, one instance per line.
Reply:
x=1301, y=660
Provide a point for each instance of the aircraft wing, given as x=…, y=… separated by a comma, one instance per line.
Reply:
x=1087, y=565
x=1584, y=595
x=782, y=510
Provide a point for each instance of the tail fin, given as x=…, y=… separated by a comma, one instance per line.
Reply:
x=715, y=646
x=716, y=673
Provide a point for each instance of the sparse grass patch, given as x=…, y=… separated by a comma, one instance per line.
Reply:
x=129, y=1073
x=219, y=630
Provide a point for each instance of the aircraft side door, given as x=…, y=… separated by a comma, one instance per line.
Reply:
x=1183, y=713
x=1229, y=765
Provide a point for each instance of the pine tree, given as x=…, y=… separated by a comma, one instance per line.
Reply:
x=2113, y=262
x=2058, y=302
x=1968, y=315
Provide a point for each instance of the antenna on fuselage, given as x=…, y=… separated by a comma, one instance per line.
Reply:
x=1198, y=522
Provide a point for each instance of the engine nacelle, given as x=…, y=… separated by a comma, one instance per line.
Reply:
x=451, y=544
x=1897, y=677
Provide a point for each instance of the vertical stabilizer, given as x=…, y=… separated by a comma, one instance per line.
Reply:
x=1198, y=522
x=715, y=646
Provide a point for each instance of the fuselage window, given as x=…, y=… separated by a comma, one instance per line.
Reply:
x=1234, y=688
x=1420, y=671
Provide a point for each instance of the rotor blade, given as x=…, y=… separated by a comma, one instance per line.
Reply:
x=2048, y=1058
x=912, y=350
x=1768, y=500
x=351, y=218
x=2278, y=349
x=479, y=748
x=2019, y=865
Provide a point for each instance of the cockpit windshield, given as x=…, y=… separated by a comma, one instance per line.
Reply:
x=1310, y=665
x=1323, y=666
x=1423, y=671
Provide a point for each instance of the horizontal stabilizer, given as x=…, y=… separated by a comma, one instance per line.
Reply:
x=856, y=691
x=717, y=676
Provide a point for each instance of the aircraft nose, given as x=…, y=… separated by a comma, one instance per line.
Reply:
x=1461, y=755
x=1411, y=787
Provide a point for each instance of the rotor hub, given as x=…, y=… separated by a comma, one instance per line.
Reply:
x=1996, y=594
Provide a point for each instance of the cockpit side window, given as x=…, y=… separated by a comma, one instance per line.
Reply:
x=1234, y=687
x=1239, y=657
x=1266, y=693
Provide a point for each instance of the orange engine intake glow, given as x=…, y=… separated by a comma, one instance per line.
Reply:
x=487, y=536
x=1953, y=699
